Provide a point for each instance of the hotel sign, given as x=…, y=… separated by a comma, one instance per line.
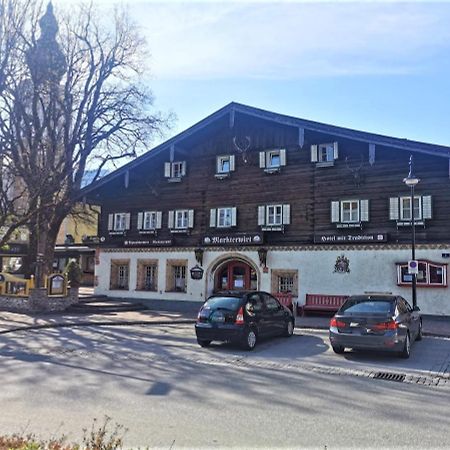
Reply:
x=233, y=240
x=360, y=238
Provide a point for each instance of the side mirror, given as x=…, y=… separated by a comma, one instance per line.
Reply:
x=416, y=308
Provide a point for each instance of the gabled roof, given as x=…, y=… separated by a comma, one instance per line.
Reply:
x=372, y=138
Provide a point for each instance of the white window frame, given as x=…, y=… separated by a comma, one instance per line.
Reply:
x=120, y=221
x=179, y=278
x=123, y=276
x=276, y=212
x=326, y=150
x=223, y=159
x=150, y=220
x=352, y=210
x=271, y=154
x=177, y=169
x=402, y=209
x=151, y=273
x=224, y=217
x=181, y=219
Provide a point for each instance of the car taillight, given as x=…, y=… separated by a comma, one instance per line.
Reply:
x=240, y=317
x=337, y=323
x=383, y=326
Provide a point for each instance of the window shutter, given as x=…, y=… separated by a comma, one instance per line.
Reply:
x=167, y=167
x=158, y=220
x=183, y=168
x=393, y=208
x=364, y=210
x=218, y=164
x=313, y=153
x=232, y=163
x=233, y=217
x=286, y=214
x=127, y=221
x=335, y=209
x=171, y=220
x=110, y=222
x=212, y=217
x=282, y=157
x=262, y=160
x=261, y=215
x=426, y=207
x=140, y=220
x=191, y=218
x=335, y=150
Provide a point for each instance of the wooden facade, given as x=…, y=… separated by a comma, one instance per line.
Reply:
x=306, y=186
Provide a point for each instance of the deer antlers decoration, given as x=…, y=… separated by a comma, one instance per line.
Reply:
x=242, y=145
x=355, y=171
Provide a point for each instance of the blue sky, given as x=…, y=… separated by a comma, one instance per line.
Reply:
x=375, y=66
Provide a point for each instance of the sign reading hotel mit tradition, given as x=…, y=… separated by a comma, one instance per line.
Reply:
x=350, y=238
x=148, y=243
x=236, y=239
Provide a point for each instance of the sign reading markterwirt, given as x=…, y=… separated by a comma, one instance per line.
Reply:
x=361, y=238
x=233, y=240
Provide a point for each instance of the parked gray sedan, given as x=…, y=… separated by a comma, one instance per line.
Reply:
x=377, y=322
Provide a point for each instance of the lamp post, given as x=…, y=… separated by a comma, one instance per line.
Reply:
x=411, y=180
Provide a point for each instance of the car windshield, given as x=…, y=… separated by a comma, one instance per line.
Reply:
x=230, y=303
x=367, y=305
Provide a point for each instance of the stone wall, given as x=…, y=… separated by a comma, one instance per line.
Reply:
x=39, y=301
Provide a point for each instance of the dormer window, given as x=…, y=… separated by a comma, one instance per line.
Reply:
x=225, y=164
x=175, y=171
x=272, y=160
x=324, y=154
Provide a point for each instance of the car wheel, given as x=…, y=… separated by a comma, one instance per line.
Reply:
x=419, y=333
x=249, y=340
x=406, y=352
x=289, y=328
x=338, y=349
x=203, y=343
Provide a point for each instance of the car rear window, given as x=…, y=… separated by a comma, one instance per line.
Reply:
x=367, y=305
x=231, y=303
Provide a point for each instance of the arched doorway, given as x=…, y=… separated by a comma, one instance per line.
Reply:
x=235, y=275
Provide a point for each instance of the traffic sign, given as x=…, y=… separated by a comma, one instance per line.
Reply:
x=413, y=267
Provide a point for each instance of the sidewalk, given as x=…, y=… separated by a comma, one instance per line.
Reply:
x=159, y=313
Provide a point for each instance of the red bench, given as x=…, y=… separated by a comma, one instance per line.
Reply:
x=321, y=303
x=285, y=298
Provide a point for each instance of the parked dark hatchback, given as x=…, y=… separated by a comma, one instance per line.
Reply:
x=378, y=322
x=242, y=318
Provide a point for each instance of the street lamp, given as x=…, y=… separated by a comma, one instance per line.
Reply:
x=411, y=180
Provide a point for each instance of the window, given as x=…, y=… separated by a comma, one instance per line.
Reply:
x=274, y=217
x=271, y=303
x=225, y=164
x=324, y=153
x=400, y=209
x=429, y=274
x=223, y=217
x=284, y=281
x=405, y=208
x=181, y=220
x=119, y=221
x=147, y=275
x=175, y=170
x=272, y=160
x=348, y=213
x=119, y=274
x=176, y=275
x=149, y=220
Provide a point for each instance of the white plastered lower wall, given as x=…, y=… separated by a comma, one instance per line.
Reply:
x=370, y=270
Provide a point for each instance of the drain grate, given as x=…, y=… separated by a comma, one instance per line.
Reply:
x=399, y=377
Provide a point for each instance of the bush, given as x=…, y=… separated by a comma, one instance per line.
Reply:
x=99, y=437
x=74, y=273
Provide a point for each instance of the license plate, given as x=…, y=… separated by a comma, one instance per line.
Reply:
x=354, y=324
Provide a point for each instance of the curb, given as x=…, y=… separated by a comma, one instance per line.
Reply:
x=99, y=324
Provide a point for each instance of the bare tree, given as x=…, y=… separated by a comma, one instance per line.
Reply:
x=76, y=101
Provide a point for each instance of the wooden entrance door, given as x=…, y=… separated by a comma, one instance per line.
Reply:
x=236, y=276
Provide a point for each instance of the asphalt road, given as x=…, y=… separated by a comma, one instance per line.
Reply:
x=170, y=393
